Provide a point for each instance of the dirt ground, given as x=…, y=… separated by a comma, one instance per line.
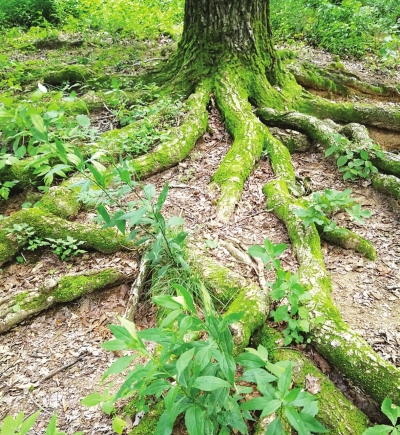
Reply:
x=52, y=361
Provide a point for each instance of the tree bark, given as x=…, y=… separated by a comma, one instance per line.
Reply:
x=221, y=30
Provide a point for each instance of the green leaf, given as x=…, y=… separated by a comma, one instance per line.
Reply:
x=285, y=379
x=166, y=301
x=170, y=318
x=380, y=429
x=165, y=423
x=149, y=191
x=28, y=423
x=259, y=252
x=250, y=360
x=157, y=387
x=121, y=333
x=186, y=295
x=134, y=216
x=9, y=426
x=83, y=120
x=256, y=404
x=342, y=160
x=258, y=376
x=275, y=427
x=174, y=221
x=183, y=361
x=390, y=410
x=270, y=407
x=162, y=197
x=118, y=424
x=330, y=150
x=114, y=345
x=209, y=383
x=118, y=366
x=92, y=399
x=51, y=428
x=194, y=420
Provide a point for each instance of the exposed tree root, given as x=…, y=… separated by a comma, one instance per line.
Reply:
x=336, y=412
x=382, y=117
x=46, y=224
x=388, y=184
x=19, y=306
x=241, y=294
x=246, y=148
x=338, y=82
x=182, y=140
x=345, y=349
x=322, y=131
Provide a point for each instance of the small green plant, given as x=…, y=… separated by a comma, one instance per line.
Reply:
x=64, y=248
x=199, y=378
x=21, y=426
x=353, y=162
x=5, y=188
x=392, y=412
x=323, y=207
x=286, y=288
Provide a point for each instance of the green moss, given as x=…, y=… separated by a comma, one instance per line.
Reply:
x=182, y=138
x=46, y=224
x=61, y=200
x=248, y=133
x=253, y=318
x=71, y=73
x=33, y=304
x=149, y=422
x=72, y=287
x=20, y=298
x=388, y=184
x=382, y=117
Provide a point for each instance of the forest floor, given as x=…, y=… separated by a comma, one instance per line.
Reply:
x=34, y=356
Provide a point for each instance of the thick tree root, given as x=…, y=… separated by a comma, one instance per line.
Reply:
x=46, y=224
x=359, y=136
x=336, y=412
x=18, y=307
x=338, y=82
x=335, y=340
x=241, y=294
x=322, y=131
x=348, y=240
x=382, y=117
x=182, y=139
x=246, y=149
x=294, y=141
x=388, y=184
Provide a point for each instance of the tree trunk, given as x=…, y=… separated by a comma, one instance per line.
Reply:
x=219, y=31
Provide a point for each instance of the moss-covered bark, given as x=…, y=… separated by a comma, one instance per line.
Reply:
x=248, y=142
x=45, y=224
x=382, y=117
x=239, y=294
x=182, y=139
x=335, y=340
x=19, y=307
x=337, y=82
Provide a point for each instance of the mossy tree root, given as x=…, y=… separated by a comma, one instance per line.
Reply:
x=335, y=340
x=183, y=138
x=338, y=82
x=45, y=224
x=322, y=131
x=388, y=184
x=381, y=117
x=18, y=307
x=240, y=294
x=248, y=133
x=336, y=412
